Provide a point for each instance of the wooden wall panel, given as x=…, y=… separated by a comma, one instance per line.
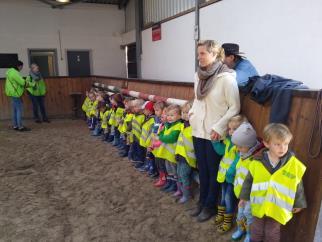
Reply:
x=58, y=101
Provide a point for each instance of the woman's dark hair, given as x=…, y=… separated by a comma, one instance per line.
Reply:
x=17, y=64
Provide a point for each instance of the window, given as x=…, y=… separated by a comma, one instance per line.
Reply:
x=46, y=59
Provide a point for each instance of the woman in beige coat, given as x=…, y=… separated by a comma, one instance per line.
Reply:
x=216, y=101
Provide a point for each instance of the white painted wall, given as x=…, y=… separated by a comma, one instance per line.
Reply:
x=172, y=57
x=130, y=16
x=279, y=37
x=31, y=24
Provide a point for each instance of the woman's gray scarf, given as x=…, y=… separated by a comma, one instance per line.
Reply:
x=207, y=77
x=36, y=76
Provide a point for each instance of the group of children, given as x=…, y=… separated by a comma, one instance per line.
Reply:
x=157, y=139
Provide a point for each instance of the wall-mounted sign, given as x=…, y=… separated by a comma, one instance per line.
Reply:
x=156, y=32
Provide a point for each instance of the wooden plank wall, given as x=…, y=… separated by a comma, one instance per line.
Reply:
x=301, y=119
x=58, y=101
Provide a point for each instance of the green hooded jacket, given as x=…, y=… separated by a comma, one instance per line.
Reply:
x=37, y=88
x=15, y=84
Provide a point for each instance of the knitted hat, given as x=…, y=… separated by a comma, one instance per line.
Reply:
x=149, y=106
x=244, y=136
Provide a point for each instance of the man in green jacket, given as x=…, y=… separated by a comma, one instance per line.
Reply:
x=14, y=88
x=37, y=93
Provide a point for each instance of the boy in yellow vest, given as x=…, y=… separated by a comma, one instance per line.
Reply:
x=124, y=127
x=273, y=185
x=101, y=107
x=226, y=175
x=247, y=144
x=185, y=156
x=161, y=114
x=169, y=137
x=137, y=153
x=145, y=139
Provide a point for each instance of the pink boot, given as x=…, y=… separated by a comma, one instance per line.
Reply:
x=178, y=193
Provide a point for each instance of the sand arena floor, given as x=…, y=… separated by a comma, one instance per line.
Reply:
x=57, y=183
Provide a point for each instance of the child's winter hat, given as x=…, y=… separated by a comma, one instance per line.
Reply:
x=149, y=106
x=244, y=136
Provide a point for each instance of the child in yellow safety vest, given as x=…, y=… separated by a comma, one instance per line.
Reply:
x=273, y=185
x=145, y=139
x=226, y=174
x=247, y=144
x=104, y=122
x=137, y=152
x=159, y=121
x=169, y=137
x=89, y=107
x=124, y=127
x=116, y=115
x=101, y=107
x=185, y=156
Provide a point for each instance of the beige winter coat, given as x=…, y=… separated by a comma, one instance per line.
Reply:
x=214, y=110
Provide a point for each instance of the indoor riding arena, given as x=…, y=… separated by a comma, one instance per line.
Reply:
x=160, y=120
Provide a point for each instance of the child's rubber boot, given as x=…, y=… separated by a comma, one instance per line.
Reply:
x=167, y=184
x=110, y=138
x=172, y=187
x=227, y=224
x=240, y=232
x=178, y=193
x=219, y=219
x=186, y=195
x=247, y=237
x=162, y=180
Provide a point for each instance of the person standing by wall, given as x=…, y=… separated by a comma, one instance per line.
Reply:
x=14, y=88
x=234, y=60
x=216, y=101
x=37, y=94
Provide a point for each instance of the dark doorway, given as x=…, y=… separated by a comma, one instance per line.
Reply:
x=46, y=59
x=78, y=63
x=131, y=61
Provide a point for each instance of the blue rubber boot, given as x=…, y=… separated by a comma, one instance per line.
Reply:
x=247, y=237
x=167, y=184
x=172, y=187
x=240, y=232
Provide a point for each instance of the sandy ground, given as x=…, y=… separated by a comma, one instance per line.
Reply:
x=57, y=183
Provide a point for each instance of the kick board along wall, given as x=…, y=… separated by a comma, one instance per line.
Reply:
x=279, y=37
x=32, y=24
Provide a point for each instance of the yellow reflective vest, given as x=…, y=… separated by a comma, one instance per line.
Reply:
x=185, y=146
x=145, y=138
x=104, y=118
x=227, y=160
x=273, y=195
x=92, y=109
x=241, y=173
x=116, y=116
x=167, y=151
x=137, y=122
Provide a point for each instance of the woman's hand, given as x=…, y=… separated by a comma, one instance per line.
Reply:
x=241, y=203
x=296, y=210
x=214, y=135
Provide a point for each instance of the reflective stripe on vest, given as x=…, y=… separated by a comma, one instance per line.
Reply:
x=136, y=125
x=146, y=131
x=167, y=151
x=185, y=146
x=227, y=160
x=273, y=195
x=241, y=173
